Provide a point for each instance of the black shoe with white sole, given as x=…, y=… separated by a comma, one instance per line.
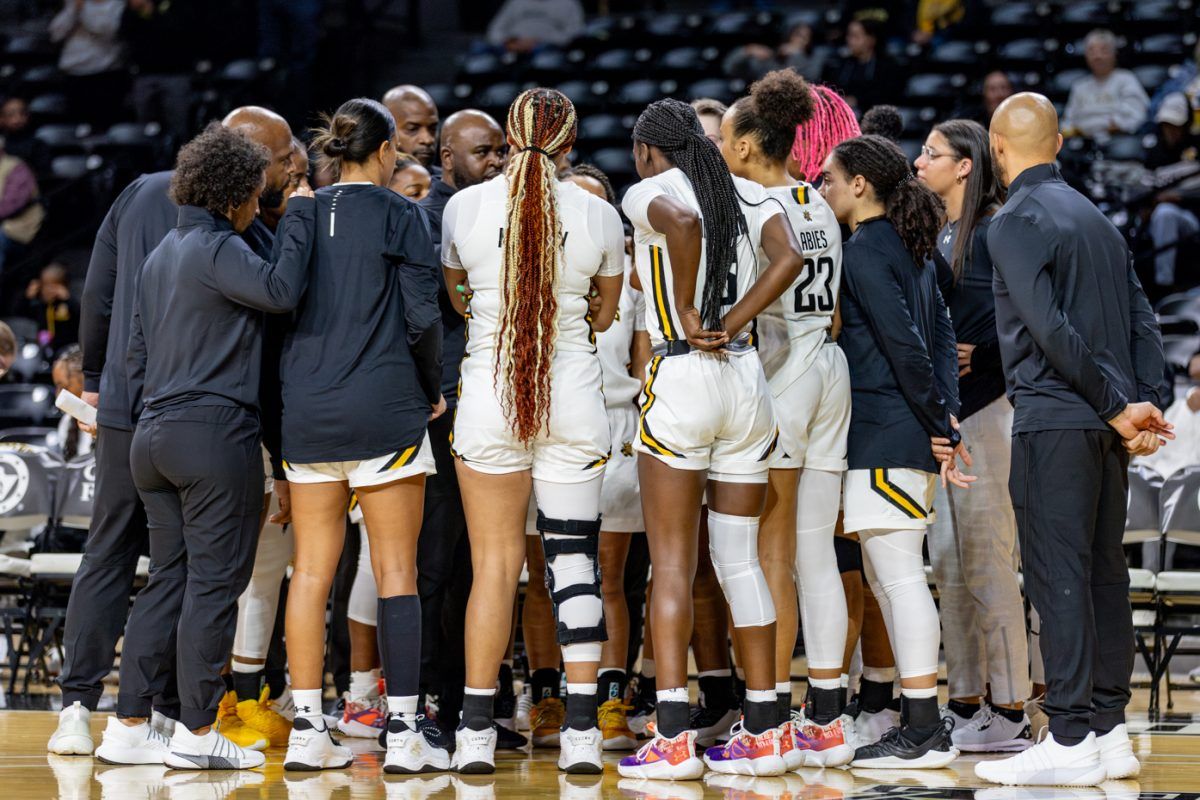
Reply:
x=897, y=751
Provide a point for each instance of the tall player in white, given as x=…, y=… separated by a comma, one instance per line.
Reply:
x=810, y=389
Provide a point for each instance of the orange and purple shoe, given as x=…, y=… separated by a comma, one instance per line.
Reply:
x=664, y=759
x=364, y=717
x=816, y=745
x=746, y=753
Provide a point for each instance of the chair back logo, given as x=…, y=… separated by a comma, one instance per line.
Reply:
x=14, y=481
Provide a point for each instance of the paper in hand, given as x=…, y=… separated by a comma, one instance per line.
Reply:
x=71, y=404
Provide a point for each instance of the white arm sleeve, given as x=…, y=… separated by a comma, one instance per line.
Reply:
x=639, y=310
x=449, y=217
x=636, y=203
x=604, y=224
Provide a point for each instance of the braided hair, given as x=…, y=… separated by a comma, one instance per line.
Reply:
x=911, y=206
x=832, y=123
x=541, y=123
x=673, y=127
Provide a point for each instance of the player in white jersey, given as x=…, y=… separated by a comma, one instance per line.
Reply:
x=706, y=420
x=810, y=387
x=527, y=250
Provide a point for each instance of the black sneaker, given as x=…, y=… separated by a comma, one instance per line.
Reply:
x=505, y=710
x=711, y=724
x=644, y=704
x=897, y=751
x=509, y=739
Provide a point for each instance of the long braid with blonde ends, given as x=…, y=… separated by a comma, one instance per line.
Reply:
x=541, y=122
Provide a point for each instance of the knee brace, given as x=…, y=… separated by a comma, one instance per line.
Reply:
x=733, y=547
x=573, y=577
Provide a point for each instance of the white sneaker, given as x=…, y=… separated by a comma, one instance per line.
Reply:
x=580, y=751
x=122, y=783
x=139, y=744
x=162, y=723
x=1048, y=763
x=1116, y=752
x=871, y=726
x=210, y=751
x=989, y=732
x=284, y=706
x=959, y=721
x=411, y=750
x=311, y=749
x=73, y=736
x=474, y=751
x=524, y=706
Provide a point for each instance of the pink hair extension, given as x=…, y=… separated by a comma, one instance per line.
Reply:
x=832, y=123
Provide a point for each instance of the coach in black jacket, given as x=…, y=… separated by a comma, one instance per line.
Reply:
x=1083, y=363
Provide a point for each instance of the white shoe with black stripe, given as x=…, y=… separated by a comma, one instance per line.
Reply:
x=210, y=751
x=311, y=748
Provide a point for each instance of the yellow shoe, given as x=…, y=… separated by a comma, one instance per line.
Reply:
x=546, y=720
x=231, y=726
x=614, y=724
x=258, y=715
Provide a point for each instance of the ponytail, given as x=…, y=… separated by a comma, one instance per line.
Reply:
x=541, y=123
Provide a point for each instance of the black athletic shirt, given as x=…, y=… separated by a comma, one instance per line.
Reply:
x=1077, y=335
x=973, y=311
x=454, y=327
x=137, y=221
x=196, y=334
x=902, y=390
x=362, y=363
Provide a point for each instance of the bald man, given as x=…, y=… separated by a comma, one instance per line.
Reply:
x=416, y=122
x=272, y=132
x=1084, y=365
x=137, y=221
x=472, y=151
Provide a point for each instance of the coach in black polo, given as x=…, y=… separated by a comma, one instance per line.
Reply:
x=1083, y=362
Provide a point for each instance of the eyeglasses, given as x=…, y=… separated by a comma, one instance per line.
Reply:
x=931, y=155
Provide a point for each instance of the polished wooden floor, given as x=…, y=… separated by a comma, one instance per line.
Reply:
x=1169, y=750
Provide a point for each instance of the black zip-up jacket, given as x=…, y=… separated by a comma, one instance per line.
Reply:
x=137, y=221
x=196, y=336
x=454, y=327
x=1077, y=335
x=899, y=344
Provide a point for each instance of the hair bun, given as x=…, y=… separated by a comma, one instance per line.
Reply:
x=336, y=146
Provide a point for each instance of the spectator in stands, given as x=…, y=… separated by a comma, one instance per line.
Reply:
x=49, y=303
x=523, y=26
x=68, y=377
x=410, y=179
x=18, y=135
x=416, y=123
x=1110, y=100
x=8, y=349
x=997, y=87
x=163, y=47
x=91, y=55
x=1171, y=221
x=867, y=77
x=710, y=112
x=21, y=211
x=797, y=51
x=1184, y=78
x=883, y=121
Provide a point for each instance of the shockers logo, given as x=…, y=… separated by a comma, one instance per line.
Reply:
x=14, y=482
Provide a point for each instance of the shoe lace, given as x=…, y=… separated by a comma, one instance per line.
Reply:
x=612, y=712
x=982, y=718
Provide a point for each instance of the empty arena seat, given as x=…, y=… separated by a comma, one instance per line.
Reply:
x=638, y=94
x=1143, y=516
x=614, y=161
x=1063, y=81
x=74, y=167
x=1010, y=17
x=36, y=436
x=932, y=88
x=616, y=63
x=600, y=130
x=27, y=477
x=62, y=138
x=1151, y=76
x=686, y=60
x=1030, y=51
x=1180, y=506
x=76, y=493
x=23, y=404
x=550, y=65
x=956, y=55
x=1164, y=48
x=1179, y=349
x=480, y=65
x=724, y=89
x=51, y=107
x=1124, y=148
x=498, y=96
x=581, y=93
x=1159, y=14
x=1085, y=15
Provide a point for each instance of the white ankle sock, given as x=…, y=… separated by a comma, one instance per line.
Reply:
x=308, y=704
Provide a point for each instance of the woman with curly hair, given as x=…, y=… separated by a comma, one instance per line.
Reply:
x=706, y=423
x=195, y=360
x=899, y=344
x=810, y=389
x=361, y=374
x=522, y=253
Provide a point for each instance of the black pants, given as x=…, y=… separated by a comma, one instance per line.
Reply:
x=199, y=472
x=1069, y=492
x=443, y=527
x=99, y=600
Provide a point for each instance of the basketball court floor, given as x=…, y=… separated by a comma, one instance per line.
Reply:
x=1169, y=749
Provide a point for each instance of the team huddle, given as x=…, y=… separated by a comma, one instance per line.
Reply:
x=769, y=369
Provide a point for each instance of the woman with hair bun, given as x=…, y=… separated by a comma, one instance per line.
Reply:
x=521, y=254
x=361, y=375
x=899, y=345
x=810, y=389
